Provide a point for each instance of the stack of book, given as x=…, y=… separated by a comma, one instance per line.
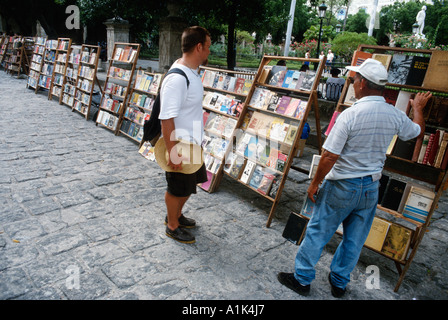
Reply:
x=223, y=103
x=280, y=76
x=126, y=54
x=265, y=99
x=407, y=198
x=220, y=81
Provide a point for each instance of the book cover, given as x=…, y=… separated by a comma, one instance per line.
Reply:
x=206, y=185
x=423, y=148
x=288, y=79
x=301, y=108
x=382, y=187
x=442, y=149
x=393, y=194
x=295, y=228
x=292, y=107
x=385, y=59
x=273, y=102
x=417, y=71
x=239, y=85
x=291, y=135
x=251, y=149
x=295, y=80
x=439, y=111
x=275, y=186
x=276, y=127
x=272, y=159
x=236, y=167
x=308, y=80
x=418, y=203
x=257, y=176
x=396, y=244
x=281, y=161
x=358, y=58
x=350, y=96
x=402, y=101
x=314, y=165
x=399, y=68
x=265, y=74
x=377, y=234
x=248, y=171
x=307, y=207
x=247, y=86
x=404, y=149
x=226, y=84
x=266, y=183
x=208, y=77
x=258, y=98
x=283, y=104
x=435, y=77
x=276, y=75
x=434, y=148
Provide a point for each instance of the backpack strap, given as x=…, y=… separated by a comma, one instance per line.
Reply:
x=178, y=71
x=152, y=127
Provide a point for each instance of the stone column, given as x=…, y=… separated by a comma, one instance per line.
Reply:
x=170, y=33
x=117, y=31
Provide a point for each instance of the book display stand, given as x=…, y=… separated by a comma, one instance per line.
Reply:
x=86, y=75
x=19, y=61
x=225, y=93
x=46, y=73
x=37, y=62
x=6, y=52
x=414, y=175
x=270, y=126
x=139, y=105
x=119, y=77
x=71, y=76
x=59, y=76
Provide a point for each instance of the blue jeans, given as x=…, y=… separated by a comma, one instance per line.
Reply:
x=351, y=202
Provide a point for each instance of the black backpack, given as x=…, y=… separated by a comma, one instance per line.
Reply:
x=152, y=127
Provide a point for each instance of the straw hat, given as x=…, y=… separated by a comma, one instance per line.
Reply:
x=189, y=150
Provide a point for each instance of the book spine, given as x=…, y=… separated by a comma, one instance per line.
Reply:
x=428, y=148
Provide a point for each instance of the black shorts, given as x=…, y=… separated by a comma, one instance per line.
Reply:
x=183, y=185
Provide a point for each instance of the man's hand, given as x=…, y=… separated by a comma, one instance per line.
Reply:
x=420, y=100
x=175, y=159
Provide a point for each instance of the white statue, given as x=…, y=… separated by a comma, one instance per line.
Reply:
x=421, y=15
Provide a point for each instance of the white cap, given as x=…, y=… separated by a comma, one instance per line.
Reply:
x=372, y=70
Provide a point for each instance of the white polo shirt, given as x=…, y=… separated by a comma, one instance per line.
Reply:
x=182, y=104
x=362, y=134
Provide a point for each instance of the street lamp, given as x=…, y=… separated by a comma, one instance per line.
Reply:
x=322, y=10
x=338, y=28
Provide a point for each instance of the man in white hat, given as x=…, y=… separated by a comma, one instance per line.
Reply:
x=350, y=168
x=181, y=119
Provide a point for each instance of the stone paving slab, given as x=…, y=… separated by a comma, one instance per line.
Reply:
x=81, y=218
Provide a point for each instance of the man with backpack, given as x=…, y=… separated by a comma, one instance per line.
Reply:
x=181, y=120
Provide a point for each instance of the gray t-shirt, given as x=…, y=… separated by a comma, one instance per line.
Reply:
x=362, y=134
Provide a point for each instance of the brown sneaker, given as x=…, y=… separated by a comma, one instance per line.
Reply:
x=184, y=222
x=180, y=235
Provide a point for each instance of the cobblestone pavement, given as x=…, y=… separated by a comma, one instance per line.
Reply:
x=82, y=212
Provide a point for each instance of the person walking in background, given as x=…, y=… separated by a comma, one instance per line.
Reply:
x=350, y=167
x=181, y=119
x=330, y=58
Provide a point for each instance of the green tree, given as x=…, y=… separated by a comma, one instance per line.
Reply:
x=357, y=22
x=347, y=42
